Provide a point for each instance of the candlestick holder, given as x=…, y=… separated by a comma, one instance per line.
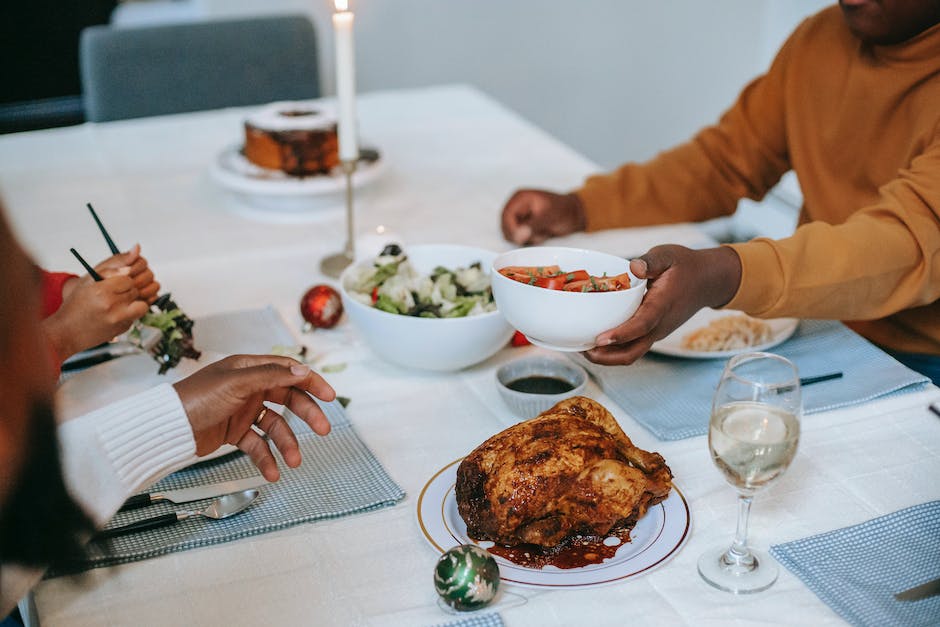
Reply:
x=334, y=265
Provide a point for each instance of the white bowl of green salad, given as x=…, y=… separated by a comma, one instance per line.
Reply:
x=429, y=307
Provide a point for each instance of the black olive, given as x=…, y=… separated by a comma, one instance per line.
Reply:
x=392, y=250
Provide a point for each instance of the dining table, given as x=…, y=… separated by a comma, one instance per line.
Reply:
x=450, y=156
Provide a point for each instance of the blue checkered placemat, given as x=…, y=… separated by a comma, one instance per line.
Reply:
x=339, y=476
x=483, y=620
x=857, y=570
x=672, y=396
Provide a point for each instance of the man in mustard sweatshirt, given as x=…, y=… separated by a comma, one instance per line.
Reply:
x=852, y=104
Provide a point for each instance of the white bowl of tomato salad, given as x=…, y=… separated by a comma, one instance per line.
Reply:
x=563, y=298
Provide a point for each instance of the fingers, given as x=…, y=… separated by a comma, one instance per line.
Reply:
x=121, y=260
x=260, y=453
x=642, y=323
x=138, y=267
x=304, y=378
x=223, y=400
x=515, y=218
x=282, y=435
x=654, y=263
x=149, y=293
x=619, y=354
x=305, y=408
x=134, y=311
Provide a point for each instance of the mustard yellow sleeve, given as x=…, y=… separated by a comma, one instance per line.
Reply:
x=743, y=155
x=884, y=259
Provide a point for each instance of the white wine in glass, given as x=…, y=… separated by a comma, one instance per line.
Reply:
x=753, y=436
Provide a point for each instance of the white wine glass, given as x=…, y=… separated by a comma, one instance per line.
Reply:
x=752, y=435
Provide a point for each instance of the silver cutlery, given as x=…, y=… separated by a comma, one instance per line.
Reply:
x=185, y=495
x=922, y=591
x=220, y=508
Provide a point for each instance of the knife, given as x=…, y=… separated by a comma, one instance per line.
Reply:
x=922, y=591
x=193, y=494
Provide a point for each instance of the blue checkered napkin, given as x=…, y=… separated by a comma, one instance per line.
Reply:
x=858, y=570
x=672, y=396
x=339, y=476
x=483, y=620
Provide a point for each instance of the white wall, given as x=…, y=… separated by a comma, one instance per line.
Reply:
x=616, y=79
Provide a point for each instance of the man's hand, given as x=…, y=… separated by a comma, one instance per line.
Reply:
x=93, y=312
x=681, y=281
x=225, y=399
x=531, y=216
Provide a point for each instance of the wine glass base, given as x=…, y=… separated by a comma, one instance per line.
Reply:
x=736, y=579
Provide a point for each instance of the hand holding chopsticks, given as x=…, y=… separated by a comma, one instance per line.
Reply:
x=163, y=313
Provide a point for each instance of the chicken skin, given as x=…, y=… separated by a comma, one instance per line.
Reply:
x=570, y=471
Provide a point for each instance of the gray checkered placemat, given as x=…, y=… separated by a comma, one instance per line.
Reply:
x=339, y=476
x=672, y=396
x=857, y=570
x=483, y=620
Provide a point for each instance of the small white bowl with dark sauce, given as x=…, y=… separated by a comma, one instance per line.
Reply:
x=531, y=385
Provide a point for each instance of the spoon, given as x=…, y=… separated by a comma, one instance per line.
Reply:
x=222, y=507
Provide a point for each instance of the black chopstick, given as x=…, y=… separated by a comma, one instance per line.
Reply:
x=819, y=379
x=104, y=231
x=87, y=362
x=91, y=271
x=935, y=408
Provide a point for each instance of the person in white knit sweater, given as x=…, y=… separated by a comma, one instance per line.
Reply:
x=59, y=482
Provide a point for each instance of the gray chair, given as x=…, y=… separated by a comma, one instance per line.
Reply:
x=138, y=72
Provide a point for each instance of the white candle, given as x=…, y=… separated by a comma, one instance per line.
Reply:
x=345, y=81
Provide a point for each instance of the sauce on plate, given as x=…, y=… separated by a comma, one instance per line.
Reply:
x=577, y=553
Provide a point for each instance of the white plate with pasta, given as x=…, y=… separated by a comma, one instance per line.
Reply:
x=718, y=334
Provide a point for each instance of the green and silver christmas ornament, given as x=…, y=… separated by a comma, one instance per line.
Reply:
x=466, y=577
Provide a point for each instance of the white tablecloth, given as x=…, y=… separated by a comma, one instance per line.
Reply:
x=453, y=158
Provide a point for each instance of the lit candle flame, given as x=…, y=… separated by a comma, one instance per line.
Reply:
x=341, y=5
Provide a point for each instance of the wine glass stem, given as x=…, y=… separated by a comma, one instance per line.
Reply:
x=739, y=554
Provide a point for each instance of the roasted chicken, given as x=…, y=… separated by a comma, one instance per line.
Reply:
x=570, y=471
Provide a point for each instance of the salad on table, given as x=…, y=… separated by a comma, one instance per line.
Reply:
x=392, y=284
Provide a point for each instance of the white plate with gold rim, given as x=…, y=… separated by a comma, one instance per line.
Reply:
x=656, y=537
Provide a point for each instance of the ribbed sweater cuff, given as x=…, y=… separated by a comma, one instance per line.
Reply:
x=761, y=283
x=145, y=434
x=113, y=452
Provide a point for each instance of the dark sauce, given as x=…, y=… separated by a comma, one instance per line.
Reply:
x=576, y=553
x=540, y=385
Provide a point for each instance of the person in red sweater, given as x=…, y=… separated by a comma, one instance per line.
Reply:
x=851, y=103
x=79, y=312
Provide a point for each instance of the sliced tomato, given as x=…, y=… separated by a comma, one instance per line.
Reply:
x=600, y=284
x=551, y=283
x=578, y=286
x=531, y=271
x=516, y=276
x=577, y=275
x=375, y=294
x=518, y=339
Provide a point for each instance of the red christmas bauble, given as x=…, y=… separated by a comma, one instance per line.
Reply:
x=321, y=306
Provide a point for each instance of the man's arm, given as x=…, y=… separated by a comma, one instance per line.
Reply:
x=883, y=259
x=744, y=155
